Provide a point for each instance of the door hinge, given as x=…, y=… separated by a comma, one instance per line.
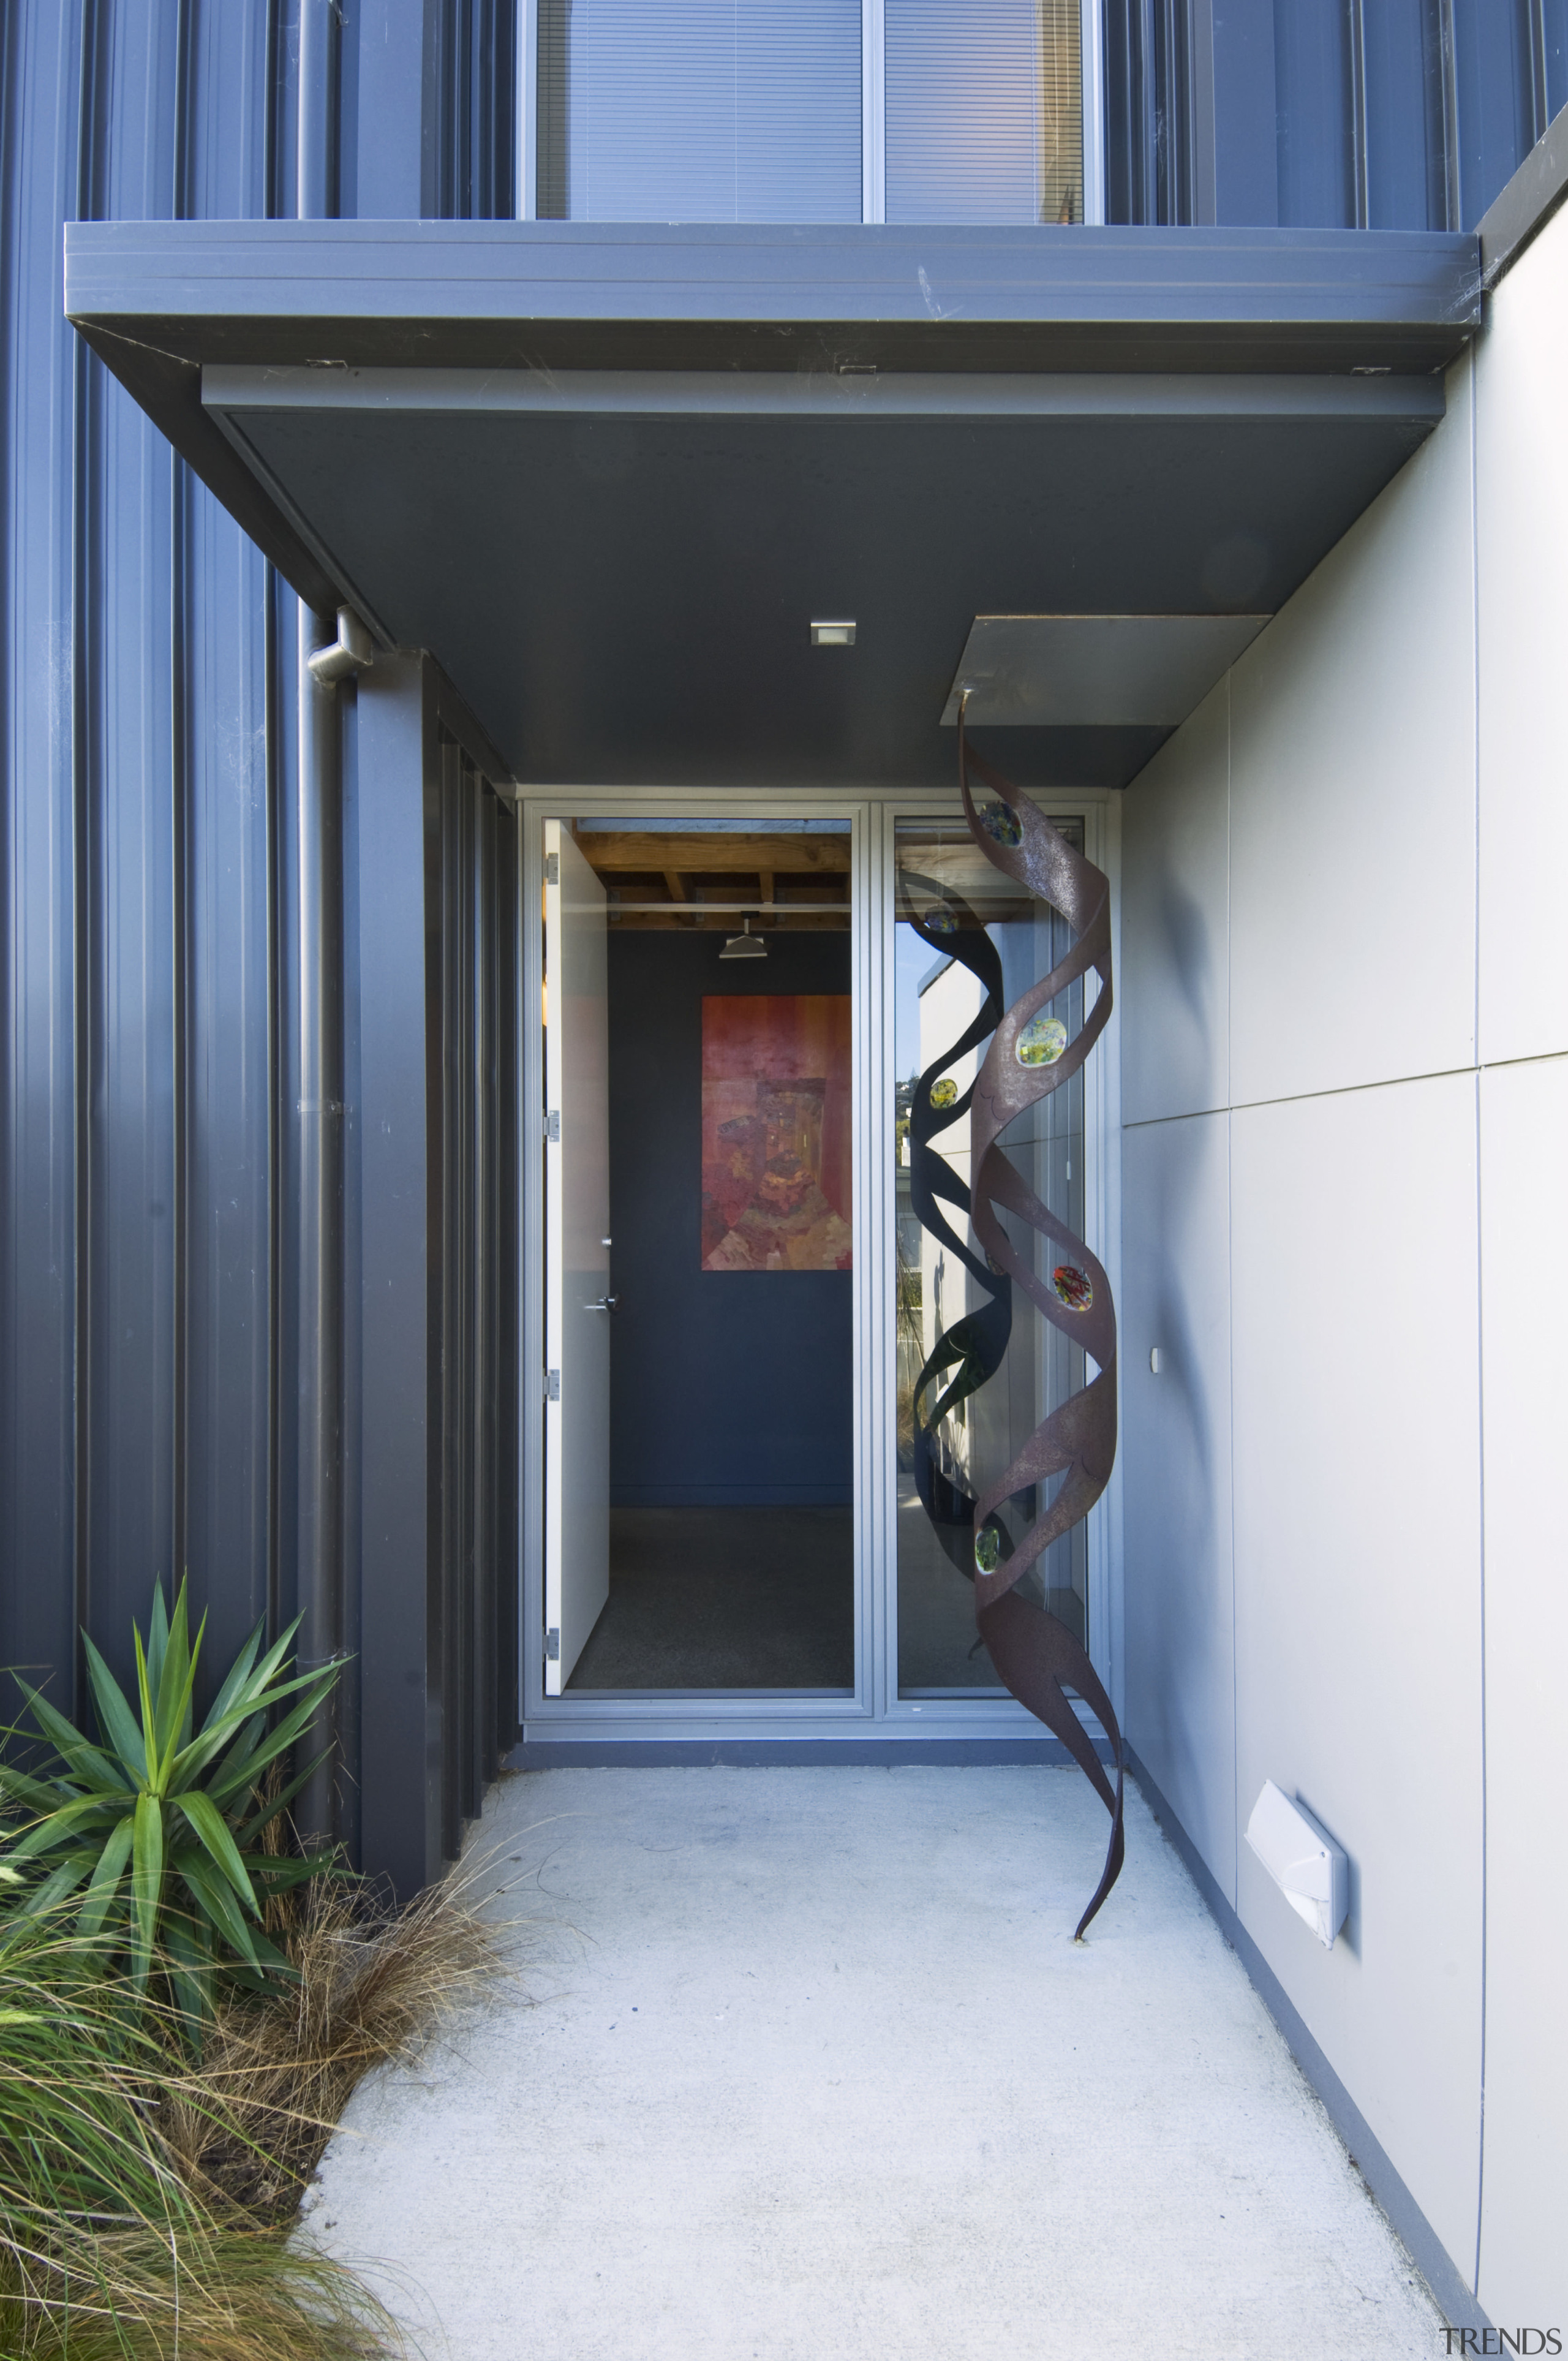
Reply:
x=551, y=869
x=553, y=1127
x=553, y=1384
x=553, y=1644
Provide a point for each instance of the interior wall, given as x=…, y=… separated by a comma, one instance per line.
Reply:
x=727, y=1388
x=1345, y=1108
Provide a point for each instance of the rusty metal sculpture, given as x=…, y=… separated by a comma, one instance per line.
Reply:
x=1030, y=1055
x=968, y=1354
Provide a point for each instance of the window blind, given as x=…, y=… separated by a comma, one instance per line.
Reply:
x=700, y=110
x=984, y=112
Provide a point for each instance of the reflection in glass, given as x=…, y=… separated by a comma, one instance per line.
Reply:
x=945, y=881
x=984, y=110
x=700, y=110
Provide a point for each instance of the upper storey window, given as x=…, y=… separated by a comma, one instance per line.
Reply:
x=700, y=110
x=984, y=110
x=808, y=111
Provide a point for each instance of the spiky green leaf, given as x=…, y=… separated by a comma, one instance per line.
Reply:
x=316, y=1686
x=231, y=1748
x=189, y=1945
x=60, y=1885
x=172, y=1705
x=247, y=1834
x=214, y=1831
x=34, y=1793
x=115, y=1720
x=236, y=1677
x=67, y=1824
x=86, y=1764
x=148, y=1718
x=104, y=1890
x=166, y=1669
x=263, y=1674
x=146, y=1885
x=214, y=1900
x=277, y=1873
x=157, y=1635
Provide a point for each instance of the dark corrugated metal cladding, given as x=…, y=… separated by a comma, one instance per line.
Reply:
x=150, y=1124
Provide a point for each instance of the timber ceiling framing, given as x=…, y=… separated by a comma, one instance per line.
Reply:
x=684, y=880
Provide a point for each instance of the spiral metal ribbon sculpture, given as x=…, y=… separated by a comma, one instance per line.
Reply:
x=975, y=1344
x=1033, y=1651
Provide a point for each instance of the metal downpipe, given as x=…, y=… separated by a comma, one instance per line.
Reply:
x=319, y=1521
x=319, y=1411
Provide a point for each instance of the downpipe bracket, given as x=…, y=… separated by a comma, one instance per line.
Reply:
x=352, y=651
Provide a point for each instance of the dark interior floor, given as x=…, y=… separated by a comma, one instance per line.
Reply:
x=726, y=1598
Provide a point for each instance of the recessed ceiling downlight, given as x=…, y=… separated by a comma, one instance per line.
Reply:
x=839, y=634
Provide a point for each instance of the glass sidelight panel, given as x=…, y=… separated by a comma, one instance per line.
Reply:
x=974, y=1378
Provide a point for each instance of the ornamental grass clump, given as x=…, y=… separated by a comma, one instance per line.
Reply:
x=105, y=2248
x=370, y=1985
x=187, y=2000
x=166, y=1826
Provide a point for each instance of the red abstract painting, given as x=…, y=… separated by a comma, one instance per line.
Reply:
x=775, y=1131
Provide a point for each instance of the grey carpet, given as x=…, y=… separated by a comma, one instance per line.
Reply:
x=726, y=1598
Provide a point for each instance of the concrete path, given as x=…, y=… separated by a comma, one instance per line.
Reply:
x=805, y=2063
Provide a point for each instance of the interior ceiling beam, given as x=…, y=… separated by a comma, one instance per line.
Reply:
x=633, y=890
x=693, y=917
x=657, y=855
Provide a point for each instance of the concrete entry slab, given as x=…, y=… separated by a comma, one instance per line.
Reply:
x=812, y=2067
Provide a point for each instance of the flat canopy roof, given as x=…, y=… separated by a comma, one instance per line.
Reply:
x=608, y=477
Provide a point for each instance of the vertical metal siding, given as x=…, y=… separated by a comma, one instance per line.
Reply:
x=44, y=375
x=151, y=1158
x=132, y=920
x=1382, y=114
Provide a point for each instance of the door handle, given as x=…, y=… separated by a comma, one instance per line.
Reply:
x=605, y=1303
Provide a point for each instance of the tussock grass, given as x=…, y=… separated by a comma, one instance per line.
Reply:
x=146, y=2192
x=105, y=2250
x=215, y=2295
x=80, y=2164
x=248, y=2124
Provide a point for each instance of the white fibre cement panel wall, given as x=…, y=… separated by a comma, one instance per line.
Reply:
x=1521, y=480
x=1180, y=1600
x=1353, y=802
x=1345, y=943
x=1358, y=1602
x=1175, y=968
x=1524, y=1322
x=1299, y=947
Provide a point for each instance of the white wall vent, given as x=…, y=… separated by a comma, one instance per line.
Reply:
x=1303, y=1860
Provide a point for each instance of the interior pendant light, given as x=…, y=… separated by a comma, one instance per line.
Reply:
x=745, y=945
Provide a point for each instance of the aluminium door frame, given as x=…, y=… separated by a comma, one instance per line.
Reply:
x=874, y=1711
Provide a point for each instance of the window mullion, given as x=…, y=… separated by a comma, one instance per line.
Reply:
x=873, y=112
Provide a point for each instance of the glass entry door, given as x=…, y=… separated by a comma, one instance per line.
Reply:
x=699, y=1259
x=768, y=1527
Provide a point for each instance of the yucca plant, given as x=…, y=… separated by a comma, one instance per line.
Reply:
x=165, y=1825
